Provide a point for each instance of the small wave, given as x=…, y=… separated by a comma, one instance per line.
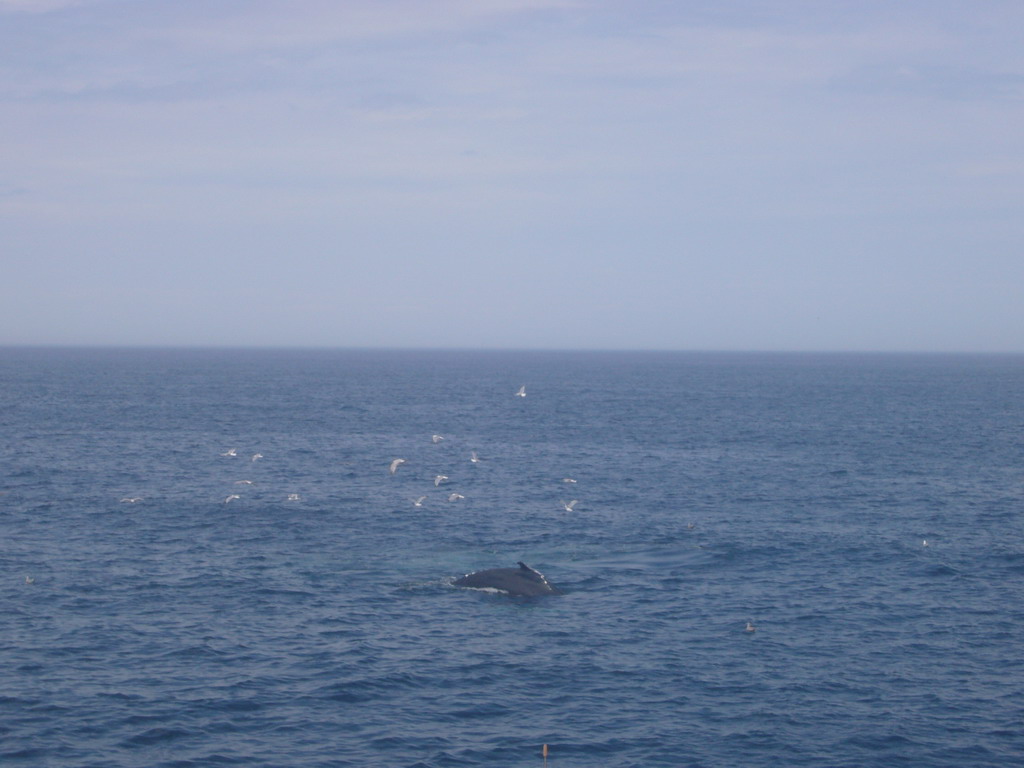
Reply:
x=369, y=688
x=158, y=735
x=194, y=652
x=482, y=711
x=940, y=570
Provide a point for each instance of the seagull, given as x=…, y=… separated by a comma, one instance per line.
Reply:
x=294, y=497
x=455, y=497
x=419, y=502
x=437, y=438
x=924, y=543
x=568, y=480
x=438, y=479
x=474, y=458
x=522, y=391
x=131, y=499
x=568, y=507
x=243, y=482
x=232, y=452
x=395, y=465
x=232, y=496
x=751, y=627
x=257, y=456
x=29, y=580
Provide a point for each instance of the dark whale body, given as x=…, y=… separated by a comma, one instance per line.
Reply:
x=521, y=582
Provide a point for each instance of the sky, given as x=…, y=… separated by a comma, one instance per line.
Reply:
x=513, y=174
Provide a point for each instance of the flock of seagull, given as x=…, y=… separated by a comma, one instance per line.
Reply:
x=438, y=479
x=231, y=453
x=474, y=458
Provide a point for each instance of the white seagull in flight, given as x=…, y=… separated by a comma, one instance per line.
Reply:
x=419, y=502
x=455, y=497
x=474, y=458
x=522, y=391
x=439, y=479
x=231, y=452
x=395, y=465
x=568, y=507
x=437, y=438
x=232, y=496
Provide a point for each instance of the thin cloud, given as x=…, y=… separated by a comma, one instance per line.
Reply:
x=37, y=6
x=932, y=81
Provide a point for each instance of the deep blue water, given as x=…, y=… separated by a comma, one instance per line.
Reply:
x=792, y=491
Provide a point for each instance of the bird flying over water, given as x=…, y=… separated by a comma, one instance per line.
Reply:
x=751, y=627
x=230, y=452
x=568, y=480
x=131, y=499
x=568, y=507
x=257, y=456
x=243, y=482
x=437, y=438
x=474, y=458
x=522, y=391
x=294, y=497
x=395, y=465
x=419, y=502
x=455, y=497
x=232, y=496
x=438, y=479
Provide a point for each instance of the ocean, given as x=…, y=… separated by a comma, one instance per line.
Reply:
x=863, y=513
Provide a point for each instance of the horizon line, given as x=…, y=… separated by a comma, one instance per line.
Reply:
x=481, y=349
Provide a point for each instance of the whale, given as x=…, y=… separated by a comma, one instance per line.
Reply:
x=523, y=581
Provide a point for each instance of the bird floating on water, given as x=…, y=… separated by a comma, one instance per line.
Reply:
x=419, y=502
x=568, y=506
x=438, y=479
x=437, y=438
x=750, y=627
x=455, y=497
x=395, y=465
x=521, y=392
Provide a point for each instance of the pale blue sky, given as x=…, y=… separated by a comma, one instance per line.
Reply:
x=805, y=175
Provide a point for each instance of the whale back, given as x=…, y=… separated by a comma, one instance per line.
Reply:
x=522, y=581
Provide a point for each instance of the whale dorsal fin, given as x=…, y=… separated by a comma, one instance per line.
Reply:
x=529, y=573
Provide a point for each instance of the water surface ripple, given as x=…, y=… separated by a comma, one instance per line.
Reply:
x=863, y=512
